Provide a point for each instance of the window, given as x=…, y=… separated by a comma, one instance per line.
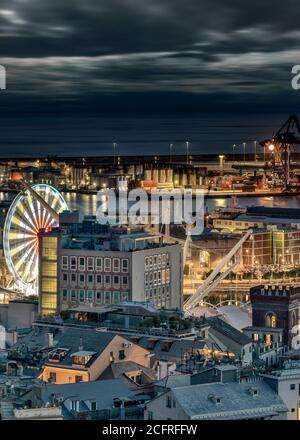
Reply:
x=81, y=262
x=107, y=297
x=90, y=296
x=93, y=406
x=116, y=297
x=116, y=265
x=125, y=281
x=81, y=279
x=116, y=281
x=64, y=263
x=169, y=402
x=150, y=263
x=154, y=278
x=99, y=264
x=65, y=295
x=90, y=264
x=99, y=297
x=107, y=265
x=292, y=386
x=99, y=280
x=81, y=295
x=107, y=280
x=125, y=265
x=270, y=320
x=73, y=279
x=75, y=405
x=73, y=263
x=65, y=278
x=52, y=377
x=122, y=354
x=146, y=263
x=73, y=295
x=150, y=415
x=90, y=279
x=255, y=336
x=78, y=379
x=159, y=261
x=167, y=276
x=268, y=339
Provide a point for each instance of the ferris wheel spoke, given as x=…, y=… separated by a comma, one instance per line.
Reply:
x=25, y=216
x=24, y=257
x=32, y=267
x=16, y=250
x=20, y=224
x=34, y=211
x=30, y=213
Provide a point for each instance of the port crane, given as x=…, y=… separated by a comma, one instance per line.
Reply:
x=283, y=144
x=218, y=274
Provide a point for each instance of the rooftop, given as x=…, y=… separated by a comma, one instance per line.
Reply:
x=229, y=401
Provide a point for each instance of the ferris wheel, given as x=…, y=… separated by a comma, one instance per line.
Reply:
x=33, y=209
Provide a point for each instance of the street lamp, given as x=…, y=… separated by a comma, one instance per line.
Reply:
x=187, y=152
x=255, y=143
x=244, y=146
x=233, y=152
x=221, y=157
x=114, y=146
x=171, y=149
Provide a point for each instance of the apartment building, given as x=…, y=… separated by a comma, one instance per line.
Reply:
x=87, y=263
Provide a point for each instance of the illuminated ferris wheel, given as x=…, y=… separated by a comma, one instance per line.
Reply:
x=33, y=209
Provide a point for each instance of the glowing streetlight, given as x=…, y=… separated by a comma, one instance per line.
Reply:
x=271, y=147
x=221, y=157
x=233, y=152
x=244, y=146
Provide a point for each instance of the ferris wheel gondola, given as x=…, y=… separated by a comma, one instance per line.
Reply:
x=33, y=209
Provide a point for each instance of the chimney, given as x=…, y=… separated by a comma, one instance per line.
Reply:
x=80, y=348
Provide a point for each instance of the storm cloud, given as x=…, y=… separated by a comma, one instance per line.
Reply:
x=192, y=52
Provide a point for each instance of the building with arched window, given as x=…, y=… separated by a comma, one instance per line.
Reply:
x=275, y=307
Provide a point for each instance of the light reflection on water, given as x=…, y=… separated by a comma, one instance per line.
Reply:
x=87, y=203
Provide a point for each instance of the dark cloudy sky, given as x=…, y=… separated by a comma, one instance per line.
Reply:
x=157, y=56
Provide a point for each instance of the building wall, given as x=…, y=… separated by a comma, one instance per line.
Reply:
x=133, y=353
x=164, y=293
x=291, y=397
x=160, y=411
x=68, y=374
x=64, y=375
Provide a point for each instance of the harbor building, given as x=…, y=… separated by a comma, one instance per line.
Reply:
x=88, y=263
